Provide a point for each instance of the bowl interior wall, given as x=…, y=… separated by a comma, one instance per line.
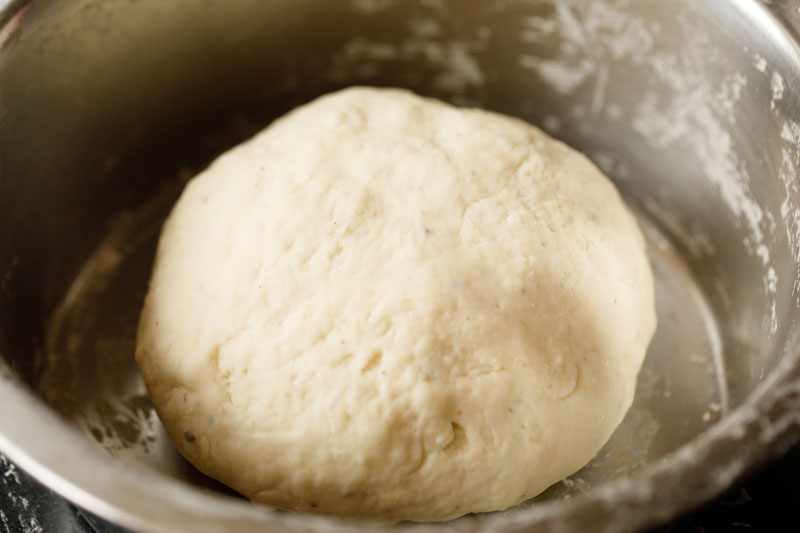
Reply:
x=106, y=108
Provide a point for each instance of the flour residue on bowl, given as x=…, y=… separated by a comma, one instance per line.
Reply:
x=579, y=28
x=91, y=377
x=459, y=68
x=790, y=159
x=760, y=63
x=453, y=62
x=777, y=89
x=683, y=105
x=694, y=107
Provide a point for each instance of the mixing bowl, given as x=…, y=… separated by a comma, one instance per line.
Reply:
x=108, y=107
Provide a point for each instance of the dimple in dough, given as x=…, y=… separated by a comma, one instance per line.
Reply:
x=385, y=306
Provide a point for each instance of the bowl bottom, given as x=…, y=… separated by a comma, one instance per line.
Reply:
x=92, y=380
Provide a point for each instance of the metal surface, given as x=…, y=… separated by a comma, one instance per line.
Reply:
x=107, y=107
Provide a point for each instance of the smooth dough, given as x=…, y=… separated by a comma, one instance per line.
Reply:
x=385, y=306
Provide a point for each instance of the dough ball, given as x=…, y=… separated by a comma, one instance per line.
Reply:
x=385, y=306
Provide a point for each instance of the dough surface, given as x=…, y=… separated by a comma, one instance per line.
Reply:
x=385, y=306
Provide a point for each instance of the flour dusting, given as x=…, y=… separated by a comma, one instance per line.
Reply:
x=130, y=434
x=777, y=89
x=697, y=109
x=576, y=49
x=693, y=108
x=454, y=62
x=458, y=69
x=578, y=28
x=760, y=63
x=790, y=213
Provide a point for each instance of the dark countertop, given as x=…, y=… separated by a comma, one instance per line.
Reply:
x=768, y=501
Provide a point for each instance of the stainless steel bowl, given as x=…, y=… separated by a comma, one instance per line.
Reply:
x=107, y=107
